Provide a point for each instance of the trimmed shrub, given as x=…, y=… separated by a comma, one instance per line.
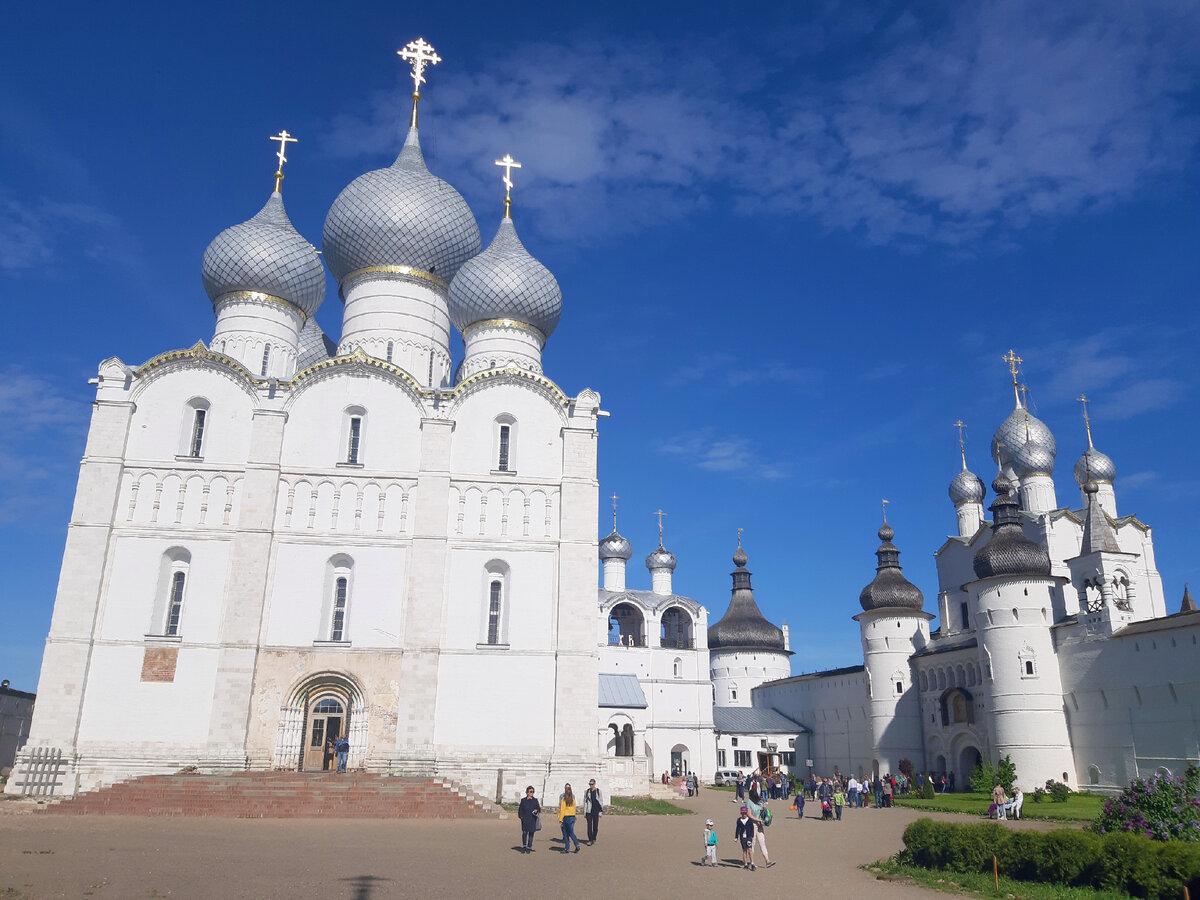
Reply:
x=927, y=792
x=1127, y=863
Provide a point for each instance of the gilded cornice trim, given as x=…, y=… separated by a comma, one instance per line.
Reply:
x=403, y=271
x=505, y=323
x=260, y=297
x=512, y=371
x=199, y=353
x=358, y=358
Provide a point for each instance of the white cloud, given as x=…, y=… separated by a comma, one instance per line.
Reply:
x=34, y=234
x=707, y=450
x=978, y=125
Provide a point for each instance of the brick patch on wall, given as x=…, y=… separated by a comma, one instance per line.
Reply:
x=159, y=663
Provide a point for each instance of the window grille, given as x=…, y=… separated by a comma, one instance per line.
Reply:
x=502, y=463
x=175, y=607
x=494, y=613
x=266, y=359
x=197, y=444
x=389, y=351
x=355, y=440
x=340, y=588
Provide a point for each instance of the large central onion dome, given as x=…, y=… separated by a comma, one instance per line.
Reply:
x=505, y=282
x=743, y=626
x=890, y=589
x=1009, y=552
x=265, y=255
x=400, y=216
x=1022, y=427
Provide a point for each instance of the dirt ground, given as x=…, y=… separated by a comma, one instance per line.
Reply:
x=121, y=858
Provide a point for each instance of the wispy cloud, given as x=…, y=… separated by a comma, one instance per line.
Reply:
x=737, y=455
x=34, y=234
x=727, y=370
x=950, y=130
x=38, y=414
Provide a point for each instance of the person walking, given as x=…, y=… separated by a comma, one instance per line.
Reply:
x=755, y=805
x=566, y=819
x=839, y=800
x=593, y=809
x=852, y=792
x=710, y=845
x=877, y=785
x=529, y=812
x=744, y=833
x=741, y=788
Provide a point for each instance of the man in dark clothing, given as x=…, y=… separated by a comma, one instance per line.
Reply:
x=592, y=808
x=342, y=749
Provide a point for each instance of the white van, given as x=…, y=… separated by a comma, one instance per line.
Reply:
x=725, y=776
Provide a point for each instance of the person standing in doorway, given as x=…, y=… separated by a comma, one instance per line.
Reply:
x=528, y=812
x=592, y=810
x=342, y=749
x=566, y=819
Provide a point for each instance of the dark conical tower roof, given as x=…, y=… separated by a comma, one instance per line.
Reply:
x=890, y=589
x=1188, y=605
x=1009, y=552
x=743, y=627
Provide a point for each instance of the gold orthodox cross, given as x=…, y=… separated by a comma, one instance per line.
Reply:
x=740, y=530
x=1087, y=422
x=508, y=164
x=284, y=139
x=419, y=54
x=615, y=498
x=1013, y=362
x=962, y=446
x=660, y=515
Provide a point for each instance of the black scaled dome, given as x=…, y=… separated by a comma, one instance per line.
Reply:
x=743, y=626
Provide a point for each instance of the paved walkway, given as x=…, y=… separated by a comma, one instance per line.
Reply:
x=636, y=856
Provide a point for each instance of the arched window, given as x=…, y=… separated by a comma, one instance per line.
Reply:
x=341, y=593
x=1028, y=662
x=626, y=626
x=266, y=360
x=733, y=692
x=504, y=452
x=171, y=593
x=676, y=629
x=627, y=741
x=1093, y=774
x=339, y=587
x=193, y=429
x=677, y=668
x=495, y=604
x=354, y=424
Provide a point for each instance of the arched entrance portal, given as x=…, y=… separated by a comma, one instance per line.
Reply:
x=681, y=759
x=318, y=711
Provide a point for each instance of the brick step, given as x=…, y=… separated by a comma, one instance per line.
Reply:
x=282, y=795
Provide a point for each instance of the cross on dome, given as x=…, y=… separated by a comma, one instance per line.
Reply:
x=614, y=499
x=284, y=139
x=1087, y=422
x=508, y=164
x=1014, y=362
x=962, y=446
x=660, y=515
x=419, y=54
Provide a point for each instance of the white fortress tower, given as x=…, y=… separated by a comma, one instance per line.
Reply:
x=745, y=649
x=894, y=626
x=1012, y=607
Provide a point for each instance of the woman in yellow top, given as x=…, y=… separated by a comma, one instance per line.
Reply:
x=566, y=817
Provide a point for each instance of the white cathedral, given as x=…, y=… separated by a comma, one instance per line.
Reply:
x=278, y=539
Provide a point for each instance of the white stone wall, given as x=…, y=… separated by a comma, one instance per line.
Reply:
x=745, y=670
x=836, y=708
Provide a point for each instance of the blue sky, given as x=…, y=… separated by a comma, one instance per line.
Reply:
x=794, y=241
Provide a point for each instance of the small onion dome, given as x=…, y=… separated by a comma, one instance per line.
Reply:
x=1009, y=552
x=505, y=282
x=661, y=559
x=1015, y=431
x=890, y=589
x=1033, y=458
x=1094, y=465
x=966, y=488
x=265, y=254
x=615, y=547
x=743, y=627
x=401, y=215
x=314, y=347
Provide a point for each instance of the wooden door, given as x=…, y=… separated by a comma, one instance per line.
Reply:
x=325, y=719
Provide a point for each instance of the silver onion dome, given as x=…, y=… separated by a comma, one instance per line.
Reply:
x=505, y=282
x=966, y=488
x=661, y=559
x=890, y=589
x=400, y=216
x=1008, y=551
x=267, y=255
x=314, y=346
x=1015, y=431
x=1033, y=458
x=615, y=547
x=1094, y=466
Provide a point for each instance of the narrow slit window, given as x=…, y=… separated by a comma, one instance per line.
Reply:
x=196, y=447
x=390, y=347
x=175, y=606
x=494, y=613
x=266, y=359
x=505, y=433
x=340, y=588
x=966, y=616
x=355, y=440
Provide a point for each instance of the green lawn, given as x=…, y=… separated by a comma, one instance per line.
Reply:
x=644, y=806
x=1082, y=807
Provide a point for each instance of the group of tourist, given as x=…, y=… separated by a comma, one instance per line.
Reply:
x=530, y=814
x=773, y=787
x=1003, y=806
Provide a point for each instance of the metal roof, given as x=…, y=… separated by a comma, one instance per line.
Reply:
x=622, y=691
x=754, y=720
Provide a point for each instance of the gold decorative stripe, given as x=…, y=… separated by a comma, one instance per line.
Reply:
x=395, y=270
x=505, y=323
x=260, y=297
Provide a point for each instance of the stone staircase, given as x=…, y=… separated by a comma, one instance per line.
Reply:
x=283, y=795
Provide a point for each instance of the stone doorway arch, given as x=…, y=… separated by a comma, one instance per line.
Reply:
x=314, y=704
